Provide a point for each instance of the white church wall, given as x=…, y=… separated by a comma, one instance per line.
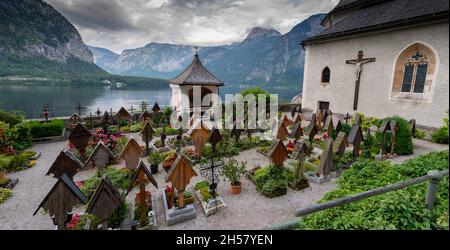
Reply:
x=377, y=77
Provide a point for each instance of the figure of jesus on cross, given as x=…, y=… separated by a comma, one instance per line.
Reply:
x=358, y=63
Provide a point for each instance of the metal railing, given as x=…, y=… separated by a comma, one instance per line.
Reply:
x=433, y=176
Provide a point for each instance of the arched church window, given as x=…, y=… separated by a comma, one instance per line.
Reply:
x=414, y=71
x=326, y=75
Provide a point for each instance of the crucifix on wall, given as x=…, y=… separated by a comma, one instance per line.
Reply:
x=358, y=63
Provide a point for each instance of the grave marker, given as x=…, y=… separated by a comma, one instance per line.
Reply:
x=297, y=131
x=101, y=156
x=65, y=163
x=131, y=153
x=80, y=137
x=179, y=175
x=355, y=138
x=394, y=129
x=199, y=134
x=147, y=135
x=329, y=125
x=326, y=161
x=277, y=153
x=340, y=144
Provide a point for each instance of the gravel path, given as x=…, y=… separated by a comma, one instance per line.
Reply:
x=248, y=210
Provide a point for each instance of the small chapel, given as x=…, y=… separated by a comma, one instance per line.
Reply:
x=381, y=58
x=195, y=80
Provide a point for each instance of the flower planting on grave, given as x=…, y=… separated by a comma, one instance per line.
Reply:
x=234, y=171
x=120, y=179
x=271, y=180
x=404, y=209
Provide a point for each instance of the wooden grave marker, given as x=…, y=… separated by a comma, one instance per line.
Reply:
x=319, y=119
x=180, y=175
x=384, y=128
x=329, y=125
x=340, y=144
x=286, y=121
x=282, y=132
x=297, y=118
x=80, y=137
x=337, y=126
x=156, y=108
x=355, y=138
x=299, y=154
x=326, y=161
x=65, y=163
x=104, y=202
x=412, y=126
x=131, y=153
x=297, y=131
x=145, y=116
x=101, y=156
x=199, y=134
x=236, y=133
x=277, y=152
x=106, y=120
x=63, y=196
x=147, y=136
x=123, y=115
x=141, y=177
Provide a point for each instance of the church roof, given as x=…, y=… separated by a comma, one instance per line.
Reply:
x=196, y=74
x=367, y=16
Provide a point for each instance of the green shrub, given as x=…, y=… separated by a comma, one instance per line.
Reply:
x=420, y=134
x=23, y=138
x=271, y=181
x=155, y=158
x=441, y=135
x=5, y=193
x=201, y=185
x=118, y=216
x=404, y=145
x=112, y=129
x=403, y=209
x=51, y=128
x=13, y=118
x=136, y=128
x=119, y=179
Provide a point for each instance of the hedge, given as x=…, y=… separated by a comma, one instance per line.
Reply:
x=404, y=144
x=51, y=128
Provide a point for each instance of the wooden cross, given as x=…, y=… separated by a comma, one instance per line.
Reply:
x=144, y=106
x=358, y=62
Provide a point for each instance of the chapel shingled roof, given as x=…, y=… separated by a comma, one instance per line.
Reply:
x=196, y=74
x=366, y=16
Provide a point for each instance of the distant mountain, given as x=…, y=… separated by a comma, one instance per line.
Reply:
x=36, y=40
x=264, y=57
x=104, y=57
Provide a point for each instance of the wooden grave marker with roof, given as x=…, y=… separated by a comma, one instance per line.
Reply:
x=326, y=161
x=73, y=121
x=180, y=175
x=299, y=154
x=65, y=163
x=337, y=126
x=106, y=120
x=355, y=137
x=156, y=108
x=282, y=132
x=145, y=116
x=131, y=153
x=286, y=121
x=277, y=152
x=80, y=137
x=319, y=119
x=384, y=128
x=199, y=134
x=236, y=133
x=412, y=126
x=312, y=128
x=329, y=125
x=394, y=133
x=123, y=115
x=297, y=118
x=147, y=136
x=141, y=177
x=297, y=131
x=340, y=144
x=104, y=202
x=63, y=196
x=101, y=156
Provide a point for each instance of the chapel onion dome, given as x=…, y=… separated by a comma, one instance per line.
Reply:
x=196, y=74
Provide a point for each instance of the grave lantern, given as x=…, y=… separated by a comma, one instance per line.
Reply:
x=277, y=153
x=65, y=163
x=101, y=156
x=179, y=175
x=80, y=137
x=59, y=202
x=104, y=202
x=131, y=153
x=140, y=177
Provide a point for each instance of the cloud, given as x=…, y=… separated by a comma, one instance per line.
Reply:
x=123, y=24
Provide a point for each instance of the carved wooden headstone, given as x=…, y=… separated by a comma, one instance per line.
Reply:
x=199, y=134
x=355, y=138
x=286, y=121
x=147, y=135
x=180, y=175
x=326, y=161
x=65, y=163
x=140, y=177
x=106, y=120
x=73, y=121
x=101, y=156
x=340, y=144
x=63, y=196
x=277, y=152
x=80, y=137
x=337, y=126
x=297, y=131
x=104, y=201
x=156, y=108
x=312, y=129
x=329, y=125
x=297, y=118
x=131, y=153
x=145, y=116
x=300, y=153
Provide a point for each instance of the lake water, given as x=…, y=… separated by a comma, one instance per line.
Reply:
x=64, y=100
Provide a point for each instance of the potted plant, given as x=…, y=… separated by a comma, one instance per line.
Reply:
x=155, y=159
x=233, y=171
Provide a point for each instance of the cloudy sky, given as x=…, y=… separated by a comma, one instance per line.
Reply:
x=125, y=24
